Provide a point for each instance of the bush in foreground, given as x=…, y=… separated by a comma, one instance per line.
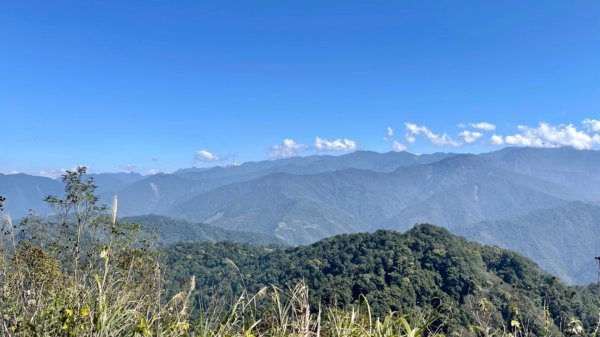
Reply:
x=81, y=273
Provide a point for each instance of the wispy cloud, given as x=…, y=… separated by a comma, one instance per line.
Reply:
x=288, y=148
x=205, y=155
x=10, y=172
x=151, y=172
x=52, y=174
x=546, y=135
x=343, y=145
x=389, y=135
x=398, y=146
x=592, y=124
x=483, y=126
x=413, y=130
x=470, y=136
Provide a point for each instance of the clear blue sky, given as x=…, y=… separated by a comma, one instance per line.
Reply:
x=117, y=85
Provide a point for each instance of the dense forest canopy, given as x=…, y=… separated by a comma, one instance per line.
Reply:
x=83, y=272
x=424, y=267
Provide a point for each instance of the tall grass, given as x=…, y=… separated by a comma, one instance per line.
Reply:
x=101, y=278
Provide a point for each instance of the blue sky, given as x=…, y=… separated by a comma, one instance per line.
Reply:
x=159, y=85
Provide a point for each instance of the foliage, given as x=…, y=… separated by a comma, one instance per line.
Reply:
x=94, y=279
x=83, y=273
x=425, y=268
x=171, y=230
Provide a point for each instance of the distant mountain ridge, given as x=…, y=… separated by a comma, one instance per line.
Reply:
x=303, y=199
x=172, y=230
x=305, y=208
x=564, y=239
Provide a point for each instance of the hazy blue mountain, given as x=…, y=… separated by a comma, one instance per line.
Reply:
x=531, y=160
x=305, y=208
x=303, y=199
x=24, y=192
x=288, y=206
x=469, y=188
x=368, y=160
x=565, y=166
x=172, y=230
x=112, y=182
x=562, y=239
x=155, y=194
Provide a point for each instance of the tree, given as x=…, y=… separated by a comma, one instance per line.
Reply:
x=80, y=204
x=2, y=200
x=90, y=276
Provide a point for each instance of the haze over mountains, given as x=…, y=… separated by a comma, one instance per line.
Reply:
x=541, y=202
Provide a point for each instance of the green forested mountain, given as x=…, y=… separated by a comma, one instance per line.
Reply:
x=564, y=166
x=425, y=276
x=304, y=208
x=424, y=267
x=172, y=230
x=159, y=193
x=562, y=239
x=156, y=193
x=24, y=192
x=111, y=182
x=303, y=199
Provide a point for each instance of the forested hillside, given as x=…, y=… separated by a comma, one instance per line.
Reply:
x=562, y=239
x=498, y=197
x=169, y=230
x=423, y=268
x=84, y=272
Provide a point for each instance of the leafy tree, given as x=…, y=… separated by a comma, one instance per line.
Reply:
x=79, y=203
x=97, y=278
x=101, y=277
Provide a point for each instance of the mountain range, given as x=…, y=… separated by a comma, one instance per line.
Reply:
x=541, y=202
x=170, y=230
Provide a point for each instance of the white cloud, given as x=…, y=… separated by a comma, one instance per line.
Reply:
x=205, y=155
x=440, y=140
x=390, y=132
x=398, y=146
x=525, y=140
x=10, y=172
x=546, y=135
x=483, y=126
x=345, y=145
x=497, y=140
x=52, y=174
x=470, y=136
x=151, y=172
x=592, y=124
x=288, y=148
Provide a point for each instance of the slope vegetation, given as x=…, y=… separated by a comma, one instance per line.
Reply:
x=562, y=239
x=424, y=267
